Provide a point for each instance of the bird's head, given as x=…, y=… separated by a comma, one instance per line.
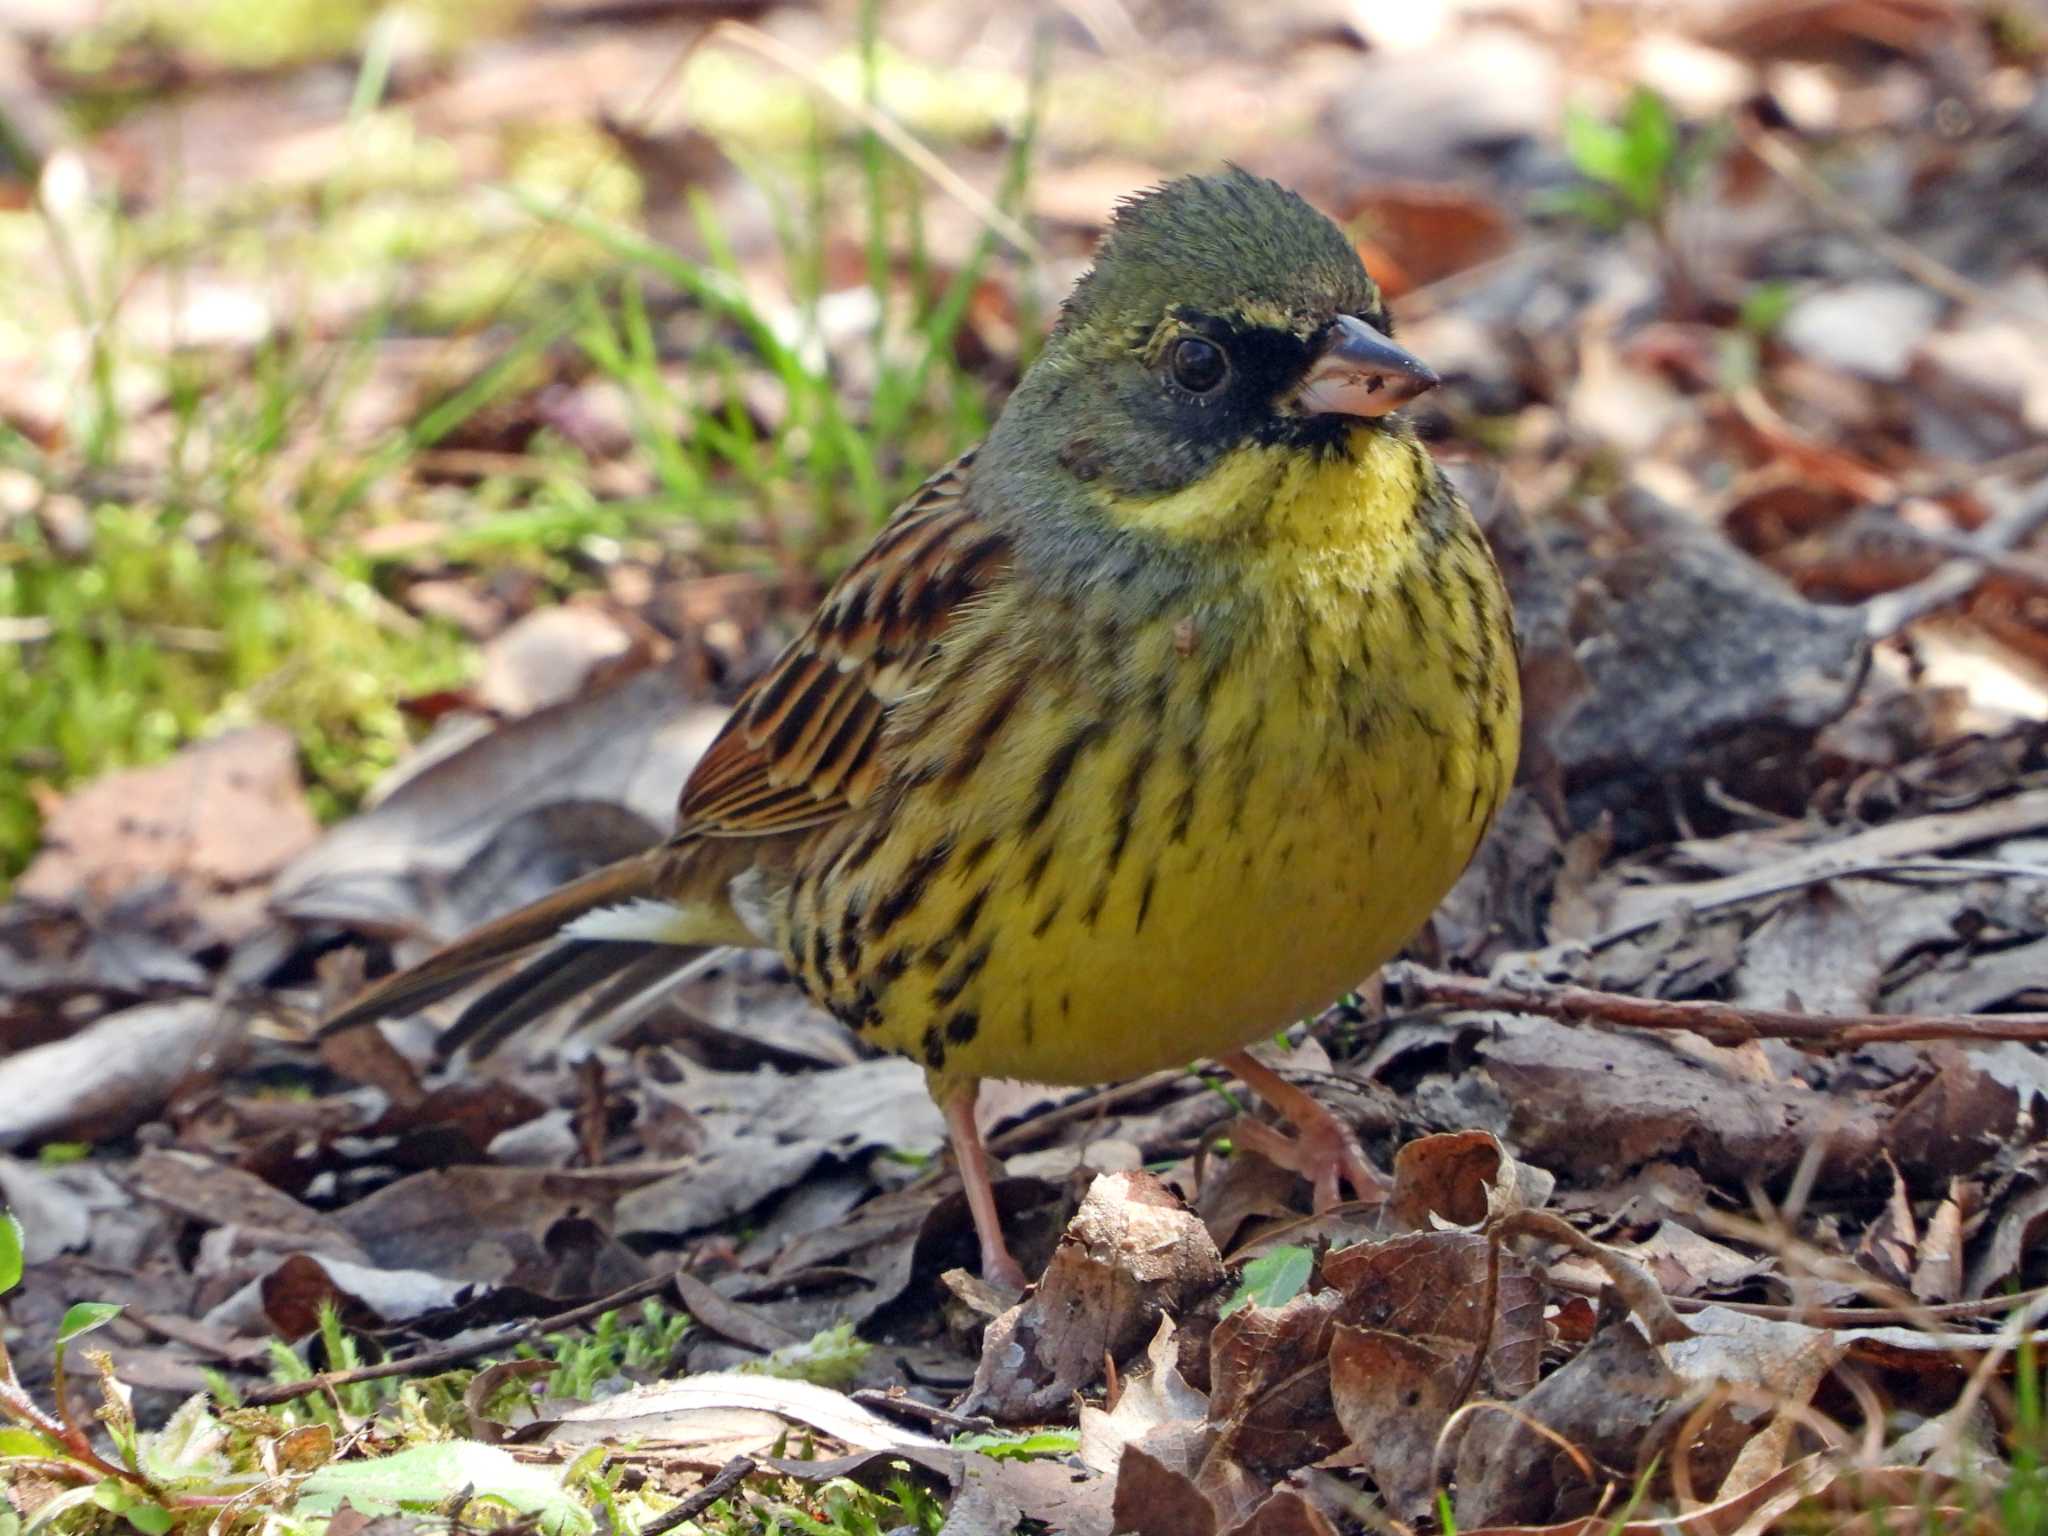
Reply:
x=1222, y=312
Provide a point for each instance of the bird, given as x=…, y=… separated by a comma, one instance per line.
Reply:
x=1140, y=731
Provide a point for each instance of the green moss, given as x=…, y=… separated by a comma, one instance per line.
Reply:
x=163, y=629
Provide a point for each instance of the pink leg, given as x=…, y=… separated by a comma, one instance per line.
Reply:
x=1326, y=1151
x=997, y=1267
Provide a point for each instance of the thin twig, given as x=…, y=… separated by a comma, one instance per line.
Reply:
x=924, y=1413
x=729, y=1477
x=431, y=1360
x=1916, y=1316
x=1834, y=1032
x=1896, y=848
x=1785, y=162
x=1955, y=578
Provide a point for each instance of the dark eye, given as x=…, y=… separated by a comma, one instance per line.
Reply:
x=1198, y=365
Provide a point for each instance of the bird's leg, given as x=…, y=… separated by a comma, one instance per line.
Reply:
x=1324, y=1151
x=998, y=1268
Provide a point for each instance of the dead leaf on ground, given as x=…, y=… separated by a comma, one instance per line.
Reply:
x=1460, y=1178
x=293, y=1295
x=1393, y=1394
x=1424, y=231
x=110, y=1077
x=1132, y=1253
x=1269, y=1390
x=1602, y=1403
x=543, y=1229
x=1434, y=1285
x=1593, y=1106
x=422, y=859
x=1156, y=1410
x=730, y=1413
x=262, y=1216
x=552, y=655
x=758, y=1133
x=213, y=823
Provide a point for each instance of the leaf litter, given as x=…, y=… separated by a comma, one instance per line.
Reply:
x=1743, y=378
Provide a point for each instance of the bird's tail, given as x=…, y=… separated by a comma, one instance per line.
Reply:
x=618, y=933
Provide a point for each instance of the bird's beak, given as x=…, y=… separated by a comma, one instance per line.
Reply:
x=1361, y=373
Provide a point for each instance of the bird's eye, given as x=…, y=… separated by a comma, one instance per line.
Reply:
x=1197, y=364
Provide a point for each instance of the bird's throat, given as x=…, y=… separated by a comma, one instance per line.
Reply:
x=1366, y=494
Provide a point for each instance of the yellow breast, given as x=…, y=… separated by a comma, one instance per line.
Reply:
x=1127, y=844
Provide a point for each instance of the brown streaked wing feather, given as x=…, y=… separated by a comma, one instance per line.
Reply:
x=802, y=745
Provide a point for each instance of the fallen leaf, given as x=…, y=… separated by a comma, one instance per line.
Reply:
x=1429, y=229
x=730, y=1413
x=110, y=1077
x=1157, y=1409
x=422, y=859
x=213, y=823
x=550, y=656
x=542, y=1229
x=1460, y=1178
x=1132, y=1252
x=1393, y=1395
x=1603, y=1403
x=263, y=1216
x=1434, y=1285
x=1269, y=1388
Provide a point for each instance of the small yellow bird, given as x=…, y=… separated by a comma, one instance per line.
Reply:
x=1139, y=732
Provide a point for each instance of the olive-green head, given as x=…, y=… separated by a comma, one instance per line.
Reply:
x=1220, y=310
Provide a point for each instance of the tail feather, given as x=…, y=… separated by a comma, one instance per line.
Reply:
x=455, y=966
x=639, y=989
x=570, y=968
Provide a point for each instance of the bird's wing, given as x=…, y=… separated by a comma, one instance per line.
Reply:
x=804, y=742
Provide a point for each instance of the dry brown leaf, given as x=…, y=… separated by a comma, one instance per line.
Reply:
x=1460, y=1178
x=1269, y=1388
x=212, y=824
x=1286, y=1513
x=1393, y=1395
x=1635, y=1285
x=1434, y=1285
x=1132, y=1253
x=262, y=1216
x=1424, y=231
x=1683, y=1263
x=470, y=832
x=552, y=655
x=1156, y=1409
x=1602, y=1404
x=1890, y=1243
x=1957, y=1119
x=2018, y=1231
x=1594, y=1105
x=1938, y=1272
x=543, y=1229
x=1153, y=1499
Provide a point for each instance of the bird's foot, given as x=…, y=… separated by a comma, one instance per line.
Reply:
x=1001, y=1270
x=998, y=1267
x=1322, y=1150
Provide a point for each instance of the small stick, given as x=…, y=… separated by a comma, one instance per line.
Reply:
x=1961, y=574
x=904, y=1407
x=729, y=1477
x=1835, y=1317
x=1833, y=1032
x=430, y=1360
x=1785, y=162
